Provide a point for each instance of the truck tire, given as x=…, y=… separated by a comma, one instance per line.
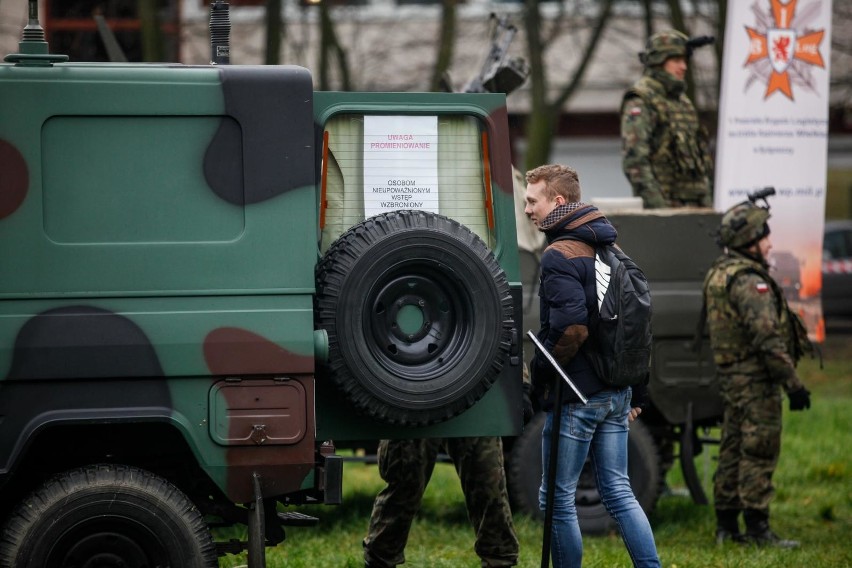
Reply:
x=418, y=315
x=108, y=516
x=524, y=477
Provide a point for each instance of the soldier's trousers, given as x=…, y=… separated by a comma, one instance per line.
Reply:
x=751, y=443
x=407, y=465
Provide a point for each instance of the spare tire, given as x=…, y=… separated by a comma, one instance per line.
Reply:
x=418, y=315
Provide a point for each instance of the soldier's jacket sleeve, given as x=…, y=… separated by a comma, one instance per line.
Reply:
x=755, y=302
x=637, y=127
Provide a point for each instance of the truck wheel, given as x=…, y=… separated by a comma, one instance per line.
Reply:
x=418, y=315
x=524, y=477
x=107, y=516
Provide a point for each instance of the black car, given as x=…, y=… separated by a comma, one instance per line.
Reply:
x=837, y=269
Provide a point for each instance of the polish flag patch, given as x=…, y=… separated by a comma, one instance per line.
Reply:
x=635, y=111
x=762, y=288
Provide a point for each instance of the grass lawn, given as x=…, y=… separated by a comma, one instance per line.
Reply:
x=813, y=503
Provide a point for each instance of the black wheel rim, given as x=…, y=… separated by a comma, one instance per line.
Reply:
x=113, y=542
x=419, y=320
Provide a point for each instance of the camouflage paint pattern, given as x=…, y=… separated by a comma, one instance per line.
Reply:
x=749, y=321
x=742, y=225
x=750, y=445
x=662, y=45
x=664, y=147
x=753, y=338
x=158, y=234
x=407, y=465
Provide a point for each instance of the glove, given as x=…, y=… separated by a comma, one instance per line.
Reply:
x=639, y=397
x=541, y=373
x=529, y=409
x=799, y=399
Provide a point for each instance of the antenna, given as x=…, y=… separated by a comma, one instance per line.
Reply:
x=32, y=49
x=34, y=32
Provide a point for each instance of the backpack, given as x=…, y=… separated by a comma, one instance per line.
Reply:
x=619, y=343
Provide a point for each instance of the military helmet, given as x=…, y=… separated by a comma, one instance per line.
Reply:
x=663, y=45
x=742, y=225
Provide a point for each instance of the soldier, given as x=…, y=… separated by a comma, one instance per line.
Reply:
x=407, y=465
x=756, y=342
x=664, y=147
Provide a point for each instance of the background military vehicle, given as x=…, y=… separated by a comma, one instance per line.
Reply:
x=787, y=271
x=194, y=309
x=674, y=247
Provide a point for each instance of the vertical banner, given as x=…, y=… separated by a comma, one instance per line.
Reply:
x=400, y=163
x=773, y=131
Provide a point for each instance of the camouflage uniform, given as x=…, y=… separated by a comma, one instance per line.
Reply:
x=754, y=338
x=407, y=465
x=665, y=154
x=756, y=342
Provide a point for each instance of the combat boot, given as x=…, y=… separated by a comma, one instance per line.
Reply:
x=759, y=533
x=728, y=526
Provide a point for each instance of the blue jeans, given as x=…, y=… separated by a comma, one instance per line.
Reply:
x=599, y=430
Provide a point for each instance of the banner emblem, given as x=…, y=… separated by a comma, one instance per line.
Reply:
x=782, y=46
x=792, y=48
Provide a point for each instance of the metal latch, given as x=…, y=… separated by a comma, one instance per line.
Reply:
x=258, y=434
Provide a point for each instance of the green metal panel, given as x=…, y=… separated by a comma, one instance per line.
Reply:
x=127, y=201
x=177, y=329
x=151, y=190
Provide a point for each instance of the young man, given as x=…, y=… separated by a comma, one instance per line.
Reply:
x=599, y=428
x=665, y=155
x=756, y=342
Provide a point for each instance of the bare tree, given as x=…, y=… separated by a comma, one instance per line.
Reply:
x=544, y=114
x=152, y=37
x=274, y=30
x=446, y=43
x=648, y=19
x=330, y=48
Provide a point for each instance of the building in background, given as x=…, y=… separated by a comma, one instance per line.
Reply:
x=390, y=45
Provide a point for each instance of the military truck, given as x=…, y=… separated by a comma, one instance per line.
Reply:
x=675, y=248
x=210, y=275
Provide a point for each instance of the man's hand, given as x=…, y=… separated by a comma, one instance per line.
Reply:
x=800, y=399
x=634, y=413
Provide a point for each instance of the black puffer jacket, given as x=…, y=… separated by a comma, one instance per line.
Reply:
x=567, y=295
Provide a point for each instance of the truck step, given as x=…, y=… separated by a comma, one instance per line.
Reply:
x=294, y=519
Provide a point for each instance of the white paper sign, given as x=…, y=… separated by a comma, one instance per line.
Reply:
x=400, y=163
x=773, y=131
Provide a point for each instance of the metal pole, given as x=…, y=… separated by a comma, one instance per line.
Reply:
x=551, y=475
x=554, y=445
x=556, y=367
